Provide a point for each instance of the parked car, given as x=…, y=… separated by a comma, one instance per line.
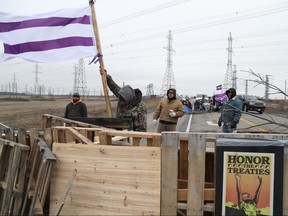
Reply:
x=252, y=103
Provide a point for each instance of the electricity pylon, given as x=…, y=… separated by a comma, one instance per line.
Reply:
x=168, y=81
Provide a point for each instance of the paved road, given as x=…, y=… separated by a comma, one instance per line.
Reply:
x=207, y=122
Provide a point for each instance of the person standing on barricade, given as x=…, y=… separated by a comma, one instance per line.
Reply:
x=130, y=104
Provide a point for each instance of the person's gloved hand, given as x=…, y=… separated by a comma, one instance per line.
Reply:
x=108, y=77
x=172, y=114
x=154, y=122
x=233, y=124
x=219, y=123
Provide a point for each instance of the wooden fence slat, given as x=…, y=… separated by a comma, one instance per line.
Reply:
x=183, y=160
x=169, y=173
x=196, y=174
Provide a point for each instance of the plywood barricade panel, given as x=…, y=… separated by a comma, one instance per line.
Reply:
x=198, y=196
x=110, y=180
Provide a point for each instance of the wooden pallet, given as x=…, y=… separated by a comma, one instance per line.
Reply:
x=40, y=164
x=13, y=157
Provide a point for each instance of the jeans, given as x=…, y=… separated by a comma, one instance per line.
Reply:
x=227, y=128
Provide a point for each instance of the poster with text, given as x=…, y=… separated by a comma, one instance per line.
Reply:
x=248, y=183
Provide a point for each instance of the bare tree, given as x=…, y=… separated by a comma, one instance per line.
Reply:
x=260, y=80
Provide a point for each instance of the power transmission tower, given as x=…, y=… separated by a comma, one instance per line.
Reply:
x=80, y=84
x=36, y=84
x=150, y=90
x=234, y=77
x=267, y=87
x=168, y=81
x=14, y=85
x=229, y=76
x=246, y=87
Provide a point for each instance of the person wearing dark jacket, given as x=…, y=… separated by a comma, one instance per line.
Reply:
x=230, y=112
x=168, y=111
x=130, y=104
x=76, y=108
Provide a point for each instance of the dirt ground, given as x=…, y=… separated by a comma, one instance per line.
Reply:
x=26, y=112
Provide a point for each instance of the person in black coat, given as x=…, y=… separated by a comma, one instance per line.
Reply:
x=76, y=108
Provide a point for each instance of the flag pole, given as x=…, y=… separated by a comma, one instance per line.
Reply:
x=101, y=62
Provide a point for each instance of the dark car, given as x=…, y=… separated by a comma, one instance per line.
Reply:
x=252, y=103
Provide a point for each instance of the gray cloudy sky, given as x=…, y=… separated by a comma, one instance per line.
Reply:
x=133, y=36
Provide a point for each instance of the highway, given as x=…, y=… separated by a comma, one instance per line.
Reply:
x=207, y=122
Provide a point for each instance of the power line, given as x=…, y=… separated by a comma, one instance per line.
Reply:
x=143, y=12
x=210, y=24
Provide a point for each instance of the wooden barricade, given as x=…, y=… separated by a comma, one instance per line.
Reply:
x=113, y=177
x=13, y=157
x=184, y=155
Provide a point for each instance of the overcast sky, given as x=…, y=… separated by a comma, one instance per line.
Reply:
x=133, y=34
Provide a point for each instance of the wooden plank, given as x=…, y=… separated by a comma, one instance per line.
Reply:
x=48, y=136
x=21, y=183
x=46, y=121
x=79, y=136
x=111, y=180
x=157, y=140
x=136, y=141
x=104, y=138
x=209, y=194
x=22, y=136
x=9, y=134
x=169, y=173
x=59, y=122
x=116, y=123
x=208, y=207
x=183, y=159
x=13, y=166
x=196, y=174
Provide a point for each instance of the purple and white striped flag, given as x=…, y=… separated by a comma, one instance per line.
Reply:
x=218, y=87
x=51, y=37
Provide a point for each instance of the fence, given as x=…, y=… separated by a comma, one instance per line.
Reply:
x=191, y=149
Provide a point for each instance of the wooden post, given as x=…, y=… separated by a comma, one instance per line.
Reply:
x=101, y=62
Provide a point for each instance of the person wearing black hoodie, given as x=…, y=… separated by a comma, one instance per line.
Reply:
x=130, y=104
x=76, y=108
x=230, y=112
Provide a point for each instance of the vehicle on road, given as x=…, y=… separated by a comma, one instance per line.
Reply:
x=252, y=103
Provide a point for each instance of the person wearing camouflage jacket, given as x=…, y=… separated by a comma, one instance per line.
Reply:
x=130, y=104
